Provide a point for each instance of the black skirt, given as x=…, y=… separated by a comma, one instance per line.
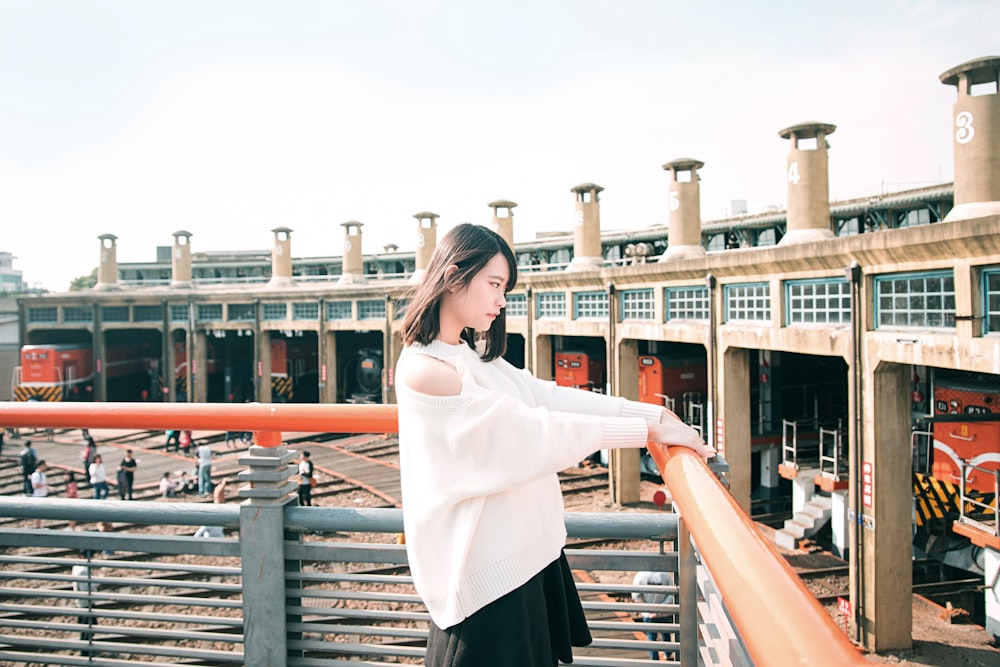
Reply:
x=535, y=625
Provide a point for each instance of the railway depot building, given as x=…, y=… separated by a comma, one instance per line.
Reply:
x=847, y=351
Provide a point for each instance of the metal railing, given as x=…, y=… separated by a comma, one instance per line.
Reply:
x=976, y=508
x=288, y=600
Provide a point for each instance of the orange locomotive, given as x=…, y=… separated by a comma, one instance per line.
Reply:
x=966, y=433
x=65, y=371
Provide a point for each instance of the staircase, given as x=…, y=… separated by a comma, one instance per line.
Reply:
x=805, y=523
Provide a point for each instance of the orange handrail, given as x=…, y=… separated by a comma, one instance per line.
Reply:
x=257, y=417
x=780, y=621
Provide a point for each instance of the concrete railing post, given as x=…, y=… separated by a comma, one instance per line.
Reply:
x=266, y=492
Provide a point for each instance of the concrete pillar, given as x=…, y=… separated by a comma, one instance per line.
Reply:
x=544, y=357
x=684, y=202
x=503, y=220
x=200, y=368
x=281, y=258
x=107, y=270
x=329, y=366
x=733, y=439
x=587, y=229
x=886, y=548
x=169, y=373
x=353, y=271
x=180, y=259
x=426, y=242
x=808, y=183
x=263, y=369
x=624, y=474
x=976, y=137
x=839, y=525
x=991, y=569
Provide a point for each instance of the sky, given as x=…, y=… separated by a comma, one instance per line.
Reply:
x=230, y=118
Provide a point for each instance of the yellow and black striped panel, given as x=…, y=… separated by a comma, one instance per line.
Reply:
x=49, y=394
x=934, y=499
x=281, y=388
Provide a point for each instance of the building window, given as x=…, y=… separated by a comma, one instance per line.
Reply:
x=517, y=305
x=767, y=237
x=209, y=312
x=338, y=310
x=685, y=303
x=590, y=305
x=847, y=226
x=715, y=242
x=638, y=304
x=748, y=303
x=818, y=301
x=179, y=313
x=305, y=311
x=925, y=300
x=991, y=299
x=274, y=311
x=550, y=304
x=147, y=313
x=43, y=315
x=78, y=314
x=371, y=309
x=114, y=313
x=241, y=312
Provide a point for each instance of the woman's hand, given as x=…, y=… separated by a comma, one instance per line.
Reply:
x=672, y=431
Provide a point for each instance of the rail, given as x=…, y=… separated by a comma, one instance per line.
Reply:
x=974, y=508
x=722, y=556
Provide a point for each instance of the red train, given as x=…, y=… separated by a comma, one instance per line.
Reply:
x=65, y=372
x=966, y=431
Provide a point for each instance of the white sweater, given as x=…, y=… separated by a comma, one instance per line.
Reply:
x=482, y=507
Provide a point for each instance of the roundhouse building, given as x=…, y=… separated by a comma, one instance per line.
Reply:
x=814, y=347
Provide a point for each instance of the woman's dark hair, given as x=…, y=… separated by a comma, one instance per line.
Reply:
x=470, y=248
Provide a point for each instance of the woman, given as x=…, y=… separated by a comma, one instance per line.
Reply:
x=480, y=445
x=98, y=478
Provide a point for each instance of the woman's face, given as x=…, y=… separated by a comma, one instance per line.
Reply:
x=477, y=304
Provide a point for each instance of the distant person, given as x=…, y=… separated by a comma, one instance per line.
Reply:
x=219, y=492
x=168, y=487
x=231, y=437
x=27, y=459
x=654, y=597
x=39, y=480
x=307, y=480
x=185, y=441
x=72, y=491
x=99, y=478
x=204, y=456
x=39, y=484
x=173, y=439
x=185, y=484
x=126, y=475
x=88, y=453
x=219, y=497
x=247, y=438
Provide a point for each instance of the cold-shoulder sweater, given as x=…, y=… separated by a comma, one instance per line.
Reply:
x=482, y=507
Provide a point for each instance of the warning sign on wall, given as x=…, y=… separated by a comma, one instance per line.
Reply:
x=867, y=483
